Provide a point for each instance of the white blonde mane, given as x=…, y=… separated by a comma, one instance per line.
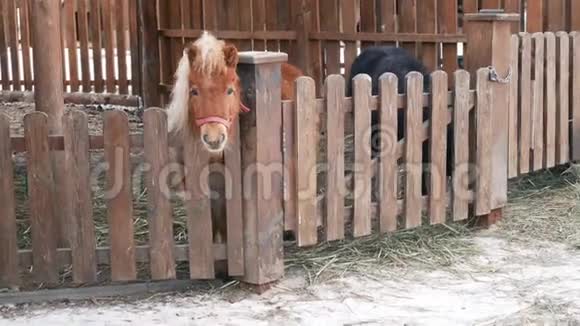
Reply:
x=209, y=58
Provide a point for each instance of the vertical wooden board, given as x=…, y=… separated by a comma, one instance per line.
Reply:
x=484, y=136
x=427, y=10
x=290, y=166
x=108, y=31
x=165, y=72
x=388, y=17
x=349, y=23
x=245, y=23
x=315, y=55
x=122, y=24
x=25, y=37
x=134, y=43
x=461, y=146
x=198, y=206
x=96, y=43
x=234, y=209
x=162, y=263
x=272, y=19
x=368, y=19
x=83, y=33
x=231, y=10
x=331, y=23
x=525, y=113
x=259, y=21
x=576, y=97
x=41, y=198
x=78, y=197
x=574, y=19
x=490, y=4
x=176, y=44
x=408, y=22
x=448, y=24
x=538, y=102
x=513, y=109
x=413, y=150
x=306, y=144
x=71, y=43
x=119, y=196
x=555, y=15
x=362, y=155
x=550, y=101
x=4, y=48
x=388, y=172
x=535, y=16
x=8, y=241
x=438, y=147
x=563, y=99
x=210, y=15
x=470, y=6
x=13, y=41
x=335, y=87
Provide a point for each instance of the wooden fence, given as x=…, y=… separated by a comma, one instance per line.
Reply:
x=100, y=42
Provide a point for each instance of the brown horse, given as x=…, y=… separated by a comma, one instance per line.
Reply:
x=206, y=102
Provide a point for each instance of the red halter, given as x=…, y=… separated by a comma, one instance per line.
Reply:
x=214, y=119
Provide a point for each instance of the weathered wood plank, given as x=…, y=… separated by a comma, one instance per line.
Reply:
x=306, y=148
x=96, y=44
x=159, y=207
x=438, y=147
x=538, y=102
x=8, y=242
x=413, y=150
x=83, y=35
x=563, y=99
x=362, y=155
x=388, y=170
x=41, y=195
x=234, y=209
x=71, y=43
x=513, y=109
x=290, y=166
x=576, y=97
x=550, y=101
x=79, y=197
x=484, y=136
x=121, y=19
x=525, y=116
x=119, y=196
x=198, y=206
x=335, y=89
x=461, y=146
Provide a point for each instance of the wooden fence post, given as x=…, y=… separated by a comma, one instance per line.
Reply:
x=262, y=165
x=488, y=43
x=48, y=86
x=149, y=52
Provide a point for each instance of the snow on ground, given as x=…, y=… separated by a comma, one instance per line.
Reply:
x=509, y=284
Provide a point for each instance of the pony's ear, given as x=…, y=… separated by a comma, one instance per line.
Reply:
x=191, y=51
x=231, y=55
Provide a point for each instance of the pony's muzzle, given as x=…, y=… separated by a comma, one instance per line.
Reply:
x=214, y=136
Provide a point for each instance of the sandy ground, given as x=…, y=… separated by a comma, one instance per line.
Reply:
x=510, y=283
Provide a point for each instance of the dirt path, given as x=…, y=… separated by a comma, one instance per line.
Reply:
x=510, y=283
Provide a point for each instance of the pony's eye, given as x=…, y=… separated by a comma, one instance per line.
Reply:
x=230, y=91
x=194, y=92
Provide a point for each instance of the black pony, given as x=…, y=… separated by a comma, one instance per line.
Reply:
x=375, y=61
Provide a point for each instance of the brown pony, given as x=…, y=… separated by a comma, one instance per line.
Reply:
x=205, y=103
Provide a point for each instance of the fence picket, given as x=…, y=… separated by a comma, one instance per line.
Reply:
x=563, y=99
x=69, y=34
x=484, y=135
x=78, y=197
x=349, y=23
x=121, y=20
x=335, y=88
x=4, y=47
x=413, y=150
x=362, y=156
x=119, y=193
x=234, y=209
x=8, y=241
x=513, y=109
x=290, y=166
x=159, y=207
x=96, y=43
x=438, y=139
x=41, y=195
x=408, y=22
x=461, y=146
x=306, y=135
x=550, y=101
x=83, y=35
x=13, y=41
x=448, y=25
x=538, y=103
x=388, y=160
x=576, y=97
x=429, y=54
x=108, y=39
x=198, y=206
x=25, y=43
x=331, y=23
x=525, y=107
